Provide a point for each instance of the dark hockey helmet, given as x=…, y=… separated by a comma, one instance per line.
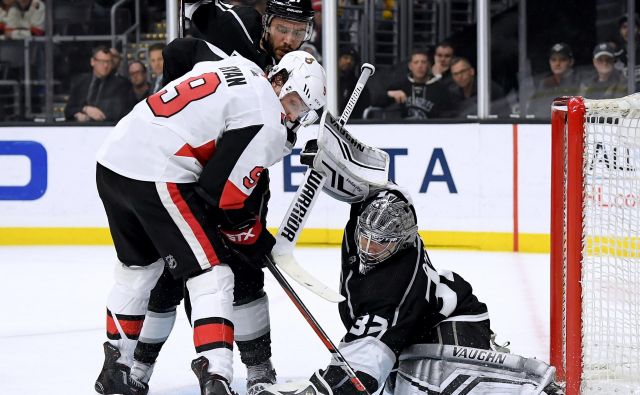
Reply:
x=294, y=10
x=385, y=226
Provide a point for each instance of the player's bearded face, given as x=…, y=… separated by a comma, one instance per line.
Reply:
x=286, y=36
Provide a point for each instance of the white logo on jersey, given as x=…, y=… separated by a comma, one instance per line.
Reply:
x=370, y=325
x=242, y=236
x=171, y=261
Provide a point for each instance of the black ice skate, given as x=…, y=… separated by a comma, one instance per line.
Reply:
x=114, y=377
x=210, y=384
x=260, y=377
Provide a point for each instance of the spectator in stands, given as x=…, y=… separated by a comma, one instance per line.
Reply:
x=442, y=62
x=5, y=6
x=606, y=82
x=348, y=73
x=464, y=91
x=621, y=46
x=417, y=98
x=116, y=60
x=25, y=19
x=99, y=95
x=156, y=63
x=139, y=82
x=562, y=81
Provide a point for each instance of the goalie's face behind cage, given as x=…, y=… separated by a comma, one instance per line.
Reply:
x=386, y=225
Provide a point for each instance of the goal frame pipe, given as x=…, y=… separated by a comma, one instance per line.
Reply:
x=569, y=367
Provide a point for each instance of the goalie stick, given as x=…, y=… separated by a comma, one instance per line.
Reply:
x=302, y=204
x=335, y=353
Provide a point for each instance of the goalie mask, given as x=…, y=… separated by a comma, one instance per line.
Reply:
x=306, y=77
x=386, y=226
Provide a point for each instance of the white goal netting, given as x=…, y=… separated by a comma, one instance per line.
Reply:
x=611, y=247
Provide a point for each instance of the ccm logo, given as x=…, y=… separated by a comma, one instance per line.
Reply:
x=36, y=185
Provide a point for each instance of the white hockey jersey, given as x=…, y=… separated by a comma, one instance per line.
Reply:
x=172, y=135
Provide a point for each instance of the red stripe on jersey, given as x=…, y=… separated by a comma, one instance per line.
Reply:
x=111, y=326
x=195, y=226
x=232, y=198
x=212, y=333
x=202, y=153
x=131, y=328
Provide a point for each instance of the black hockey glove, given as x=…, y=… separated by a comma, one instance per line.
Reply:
x=249, y=241
x=309, y=152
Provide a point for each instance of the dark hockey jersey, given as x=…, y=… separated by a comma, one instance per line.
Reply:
x=233, y=29
x=220, y=30
x=393, y=305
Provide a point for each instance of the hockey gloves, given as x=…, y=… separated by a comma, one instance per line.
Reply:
x=249, y=241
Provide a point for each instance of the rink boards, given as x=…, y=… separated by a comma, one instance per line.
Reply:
x=474, y=186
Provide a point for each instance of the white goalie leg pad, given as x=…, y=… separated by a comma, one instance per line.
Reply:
x=211, y=296
x=351, y=166
x=129, y=296
x=447, y=368
x=251, y=320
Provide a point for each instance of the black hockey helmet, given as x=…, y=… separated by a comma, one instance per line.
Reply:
x=297, y=10
x=294, y=10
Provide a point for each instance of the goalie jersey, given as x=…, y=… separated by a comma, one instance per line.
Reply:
x=220, y=125
x=394, y=305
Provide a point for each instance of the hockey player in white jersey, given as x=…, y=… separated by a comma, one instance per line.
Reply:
x=228, y=30
x=176, y=177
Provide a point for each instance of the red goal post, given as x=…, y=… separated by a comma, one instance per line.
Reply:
x=595, y=244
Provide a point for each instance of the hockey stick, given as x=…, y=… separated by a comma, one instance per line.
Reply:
x=336, y=354
x=300, y=207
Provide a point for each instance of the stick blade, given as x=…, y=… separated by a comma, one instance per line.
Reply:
x=288, y=264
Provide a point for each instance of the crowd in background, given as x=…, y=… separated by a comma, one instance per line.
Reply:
x=433, y=83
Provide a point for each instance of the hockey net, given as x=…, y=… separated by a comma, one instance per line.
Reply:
x=595, y=244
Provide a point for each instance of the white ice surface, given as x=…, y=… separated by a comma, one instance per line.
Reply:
x=52, y=305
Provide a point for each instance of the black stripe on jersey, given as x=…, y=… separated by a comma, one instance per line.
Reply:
x=127, y=317
x=213, y=346
x=147, y=352
x=413, y=279
x=213, y=320
x=217, y=170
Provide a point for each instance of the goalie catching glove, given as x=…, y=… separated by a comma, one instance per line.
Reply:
x=249, y=240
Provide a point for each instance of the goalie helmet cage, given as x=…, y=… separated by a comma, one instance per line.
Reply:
x=595, y=249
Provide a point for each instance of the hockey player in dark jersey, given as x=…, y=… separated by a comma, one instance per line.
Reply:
x=228, y=30
x=402, y=315
x=177, y=177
